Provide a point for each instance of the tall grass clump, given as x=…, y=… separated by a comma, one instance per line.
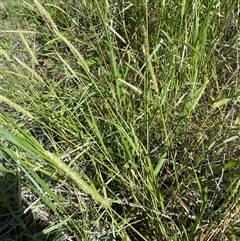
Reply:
x=120, y=120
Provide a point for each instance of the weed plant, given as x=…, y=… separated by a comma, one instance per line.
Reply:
x=119, y=120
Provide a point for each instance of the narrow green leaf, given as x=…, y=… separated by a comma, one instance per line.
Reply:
x=221, y=102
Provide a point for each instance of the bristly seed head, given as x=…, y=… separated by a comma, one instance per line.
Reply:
x=2, y=6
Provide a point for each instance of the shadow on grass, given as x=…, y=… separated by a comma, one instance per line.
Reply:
x=17, y=222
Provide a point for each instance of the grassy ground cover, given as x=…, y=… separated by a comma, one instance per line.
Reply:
x=120, y=120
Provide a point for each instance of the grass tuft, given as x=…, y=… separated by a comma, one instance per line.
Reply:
x=119, y=120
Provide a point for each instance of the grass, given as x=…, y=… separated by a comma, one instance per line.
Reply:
x=119, y=120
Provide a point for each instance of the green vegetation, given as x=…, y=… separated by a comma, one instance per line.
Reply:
x=119, y=120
